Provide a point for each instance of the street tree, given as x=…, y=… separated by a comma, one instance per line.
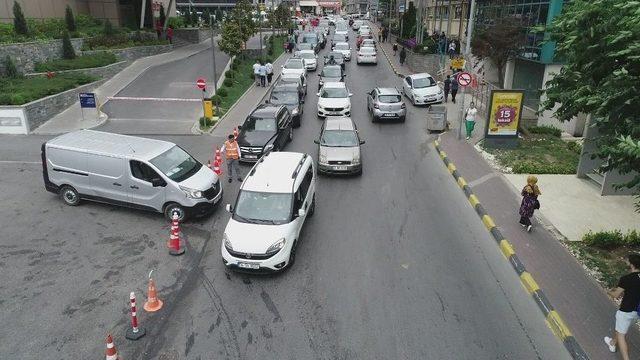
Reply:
x=19, y=22
x=599, y=42
x=69, y=19
x=242, y=16
x=409, y=22
x=281, y=16
x=499, y=42
x=231, y=38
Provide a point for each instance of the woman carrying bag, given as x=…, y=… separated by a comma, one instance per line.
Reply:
x=530, y=201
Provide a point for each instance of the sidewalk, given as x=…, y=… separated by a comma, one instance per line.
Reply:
x=579, y=299
x=71, y=118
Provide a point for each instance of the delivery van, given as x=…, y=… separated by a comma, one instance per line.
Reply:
x=129, y=171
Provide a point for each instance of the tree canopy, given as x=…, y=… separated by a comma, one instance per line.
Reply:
x=599, y=42
x=231, y=38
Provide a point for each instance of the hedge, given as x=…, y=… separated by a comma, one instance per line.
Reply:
x=81, y=62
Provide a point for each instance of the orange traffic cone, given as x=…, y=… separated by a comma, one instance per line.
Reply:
x=175, y=249
x=153, y=304
x=111, y=353
x=218, y=157
x=235, y=132
x=216, y=168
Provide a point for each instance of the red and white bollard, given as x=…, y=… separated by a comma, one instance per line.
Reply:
x=135, y=332
x=216, y=168
x=174, y=241
x=218, y=157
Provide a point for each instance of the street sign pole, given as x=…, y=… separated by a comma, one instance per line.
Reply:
x=464, y=80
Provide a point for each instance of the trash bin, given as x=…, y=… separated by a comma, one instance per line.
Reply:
x=437, y=118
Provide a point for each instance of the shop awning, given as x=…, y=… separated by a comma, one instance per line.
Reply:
x=304, y=3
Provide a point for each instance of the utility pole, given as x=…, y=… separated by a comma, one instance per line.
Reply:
x=467, y=49
x=213, y=55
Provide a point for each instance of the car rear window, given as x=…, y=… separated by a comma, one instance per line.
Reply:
x=388, y=99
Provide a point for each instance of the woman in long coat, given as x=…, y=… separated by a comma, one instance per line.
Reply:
x=530, y=202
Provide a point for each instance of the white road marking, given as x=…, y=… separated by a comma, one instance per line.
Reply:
x=19, y=162
x=482, y=179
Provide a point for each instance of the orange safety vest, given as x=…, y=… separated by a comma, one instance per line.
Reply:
x=232, y=151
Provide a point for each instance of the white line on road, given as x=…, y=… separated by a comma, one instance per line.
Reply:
x=19, y=162
x=482, y=179
x=154, y=120
x=136, y=98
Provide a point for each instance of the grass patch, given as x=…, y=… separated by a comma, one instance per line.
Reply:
x=539, y=154
x=244, y=77
x=18, y=91
x=207, y=123
x=607, y=266
x=119, y=41
x=81, y=62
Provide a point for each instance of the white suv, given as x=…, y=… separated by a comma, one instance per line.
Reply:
x=272, y=204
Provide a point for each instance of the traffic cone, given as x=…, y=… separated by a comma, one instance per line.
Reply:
x=111, y=353
x=216, y=168
x=218, y=157
x=175, y=248
x=235, y=132
x=153, y=304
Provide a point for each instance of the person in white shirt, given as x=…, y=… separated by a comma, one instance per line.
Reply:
x=262, y=70
x=269, y=72
x=256, y=71
x=470, y=119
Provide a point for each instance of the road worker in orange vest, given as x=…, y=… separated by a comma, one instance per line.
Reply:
x=231, y=150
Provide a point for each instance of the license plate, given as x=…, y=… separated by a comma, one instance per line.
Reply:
x=249, y=266
x=340, y=168
x=251, y=156
x=389, y=115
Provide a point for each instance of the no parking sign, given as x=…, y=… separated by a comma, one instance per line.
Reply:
x=464, y=79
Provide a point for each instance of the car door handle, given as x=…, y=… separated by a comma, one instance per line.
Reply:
x=117, y=184
x=134, y=187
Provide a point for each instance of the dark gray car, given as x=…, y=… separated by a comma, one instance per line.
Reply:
x=288, y=95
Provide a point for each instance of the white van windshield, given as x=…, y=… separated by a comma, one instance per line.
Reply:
x=176, y=164
x=263, y=208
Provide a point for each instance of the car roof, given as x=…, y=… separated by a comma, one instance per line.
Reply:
x=98, y=142
x=307, y=51
x=342, y=43
x=334, y=85
x=332, y=67
x=294, y=59
x=388, y=91
x=419, y=76
x=294, y=76
x=273, y=173
x=266, y=110
x=339, y=123
x=285, y=87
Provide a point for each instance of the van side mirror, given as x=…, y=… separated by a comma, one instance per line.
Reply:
x=301, y=212
x=158, y=182
x=316, y=141
x=362, y=142
x=229, y=208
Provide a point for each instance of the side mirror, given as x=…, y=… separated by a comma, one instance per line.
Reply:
x=268, y=148
x=158, y=182
x=350, y=94
x=301, y=212
x=362, y=142
x=240, y=126
x=229, y=208
x=316, y=141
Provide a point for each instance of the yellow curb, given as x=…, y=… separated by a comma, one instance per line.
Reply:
x=507, y=249
x=528, y=282
x=451, y=167
x=436, y=142
x=443, y=154
x=474, y=200
x=461, y=182
x=557, y=325
x=488, y=222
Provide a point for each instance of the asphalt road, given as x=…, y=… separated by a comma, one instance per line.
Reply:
x=394, y=265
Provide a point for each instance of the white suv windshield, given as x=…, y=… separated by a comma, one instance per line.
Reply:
x=176, y=163
x=334, y=93
x=419, y=83
x=263, y=208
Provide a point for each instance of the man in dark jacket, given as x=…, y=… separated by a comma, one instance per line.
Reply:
x=403, y=55
x=447, y=87
x=454, y=88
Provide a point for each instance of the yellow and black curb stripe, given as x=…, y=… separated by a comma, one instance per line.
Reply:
x=553, y=319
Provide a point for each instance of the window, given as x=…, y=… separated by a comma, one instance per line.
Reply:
x=458, y=12
x=142, y=171
x=303, y=189
x=176, y=164
x=262, y=207
x=282, y=118
x=408, y=79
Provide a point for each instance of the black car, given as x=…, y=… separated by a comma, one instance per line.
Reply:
x=287, y=94
x=268, y=125
x=331, y=73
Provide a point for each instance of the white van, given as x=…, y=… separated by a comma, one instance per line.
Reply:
x=130, y=171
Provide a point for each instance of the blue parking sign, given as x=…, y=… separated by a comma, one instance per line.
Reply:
x=87, y=100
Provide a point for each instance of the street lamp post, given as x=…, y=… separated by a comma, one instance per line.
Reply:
x=213, y=59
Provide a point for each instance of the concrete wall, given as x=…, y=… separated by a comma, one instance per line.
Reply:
x=192, y=35
x=104, y=72
x=25, y=55
x=575, y=127
x=13, y=120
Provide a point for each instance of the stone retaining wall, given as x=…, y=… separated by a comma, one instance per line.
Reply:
x=26, y=55
x=419, y=63
x=133, y=53
x=104, y=72
x=192, y=35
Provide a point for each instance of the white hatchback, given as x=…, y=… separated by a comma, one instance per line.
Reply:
x=422, y=89
x=273, y=203
x=334, y=99
x=367, y=55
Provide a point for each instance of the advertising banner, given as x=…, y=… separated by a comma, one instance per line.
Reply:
x=505, y=113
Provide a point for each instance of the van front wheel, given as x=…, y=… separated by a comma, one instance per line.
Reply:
x=172, y=208
x=70, y=195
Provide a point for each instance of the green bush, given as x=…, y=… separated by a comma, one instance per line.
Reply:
x=632, y=238
x=574, y=146
x=216, y=99
x=108, y=28
x=230, y=74
x=541, y=167
x=604, y=239
x=228, y=82
x=545, y=130
x=67, y=48
x=222, y=92
x=81, y=62
x=119, y=41
x=176, y=22
x=18, y=91
x=10, y=69
x=236, y=62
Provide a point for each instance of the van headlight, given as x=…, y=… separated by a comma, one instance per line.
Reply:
x=227, y=243
x=191, y=193
x=322, y=158
x=277, y=246
x=356, y=159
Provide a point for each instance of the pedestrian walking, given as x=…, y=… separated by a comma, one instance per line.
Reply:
x=629, y=288
x=403, y=55
x=159, y=29
x=256, y=71
x=290, y=48
x=385, y=34
x=269, y=67
x=452, y=49
x=262, y=70
x=170, y=34
x=231, y=150
x=454, y=88
x=380, y=35
x=470, y=119
x=447, y=87
x=395, y=48
x=530, y=201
